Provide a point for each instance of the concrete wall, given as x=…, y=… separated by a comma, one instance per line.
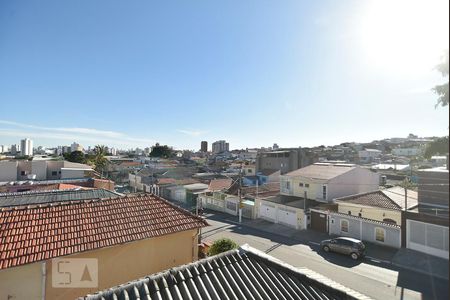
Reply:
x=8, y=170
x=356, y=181
x=54, y=166
x=69, y=174
x=120, y=264
x=23, y=167
x=365, y=230
x=39, y=168
x=373, y=213
x=23, y=282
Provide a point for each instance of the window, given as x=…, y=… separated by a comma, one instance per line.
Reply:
x=350, y=212
x=324, y=192
x=22, y=173
x=359, y=214
x=307, y=185
x=379, y=234
x=249, y=170
x=344, y=225
x=300, y=184
x=288, y=185
x=54, y=173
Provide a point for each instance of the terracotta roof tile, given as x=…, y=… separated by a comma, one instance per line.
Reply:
x=390, y=198
x=33, y=233
x=220, y=184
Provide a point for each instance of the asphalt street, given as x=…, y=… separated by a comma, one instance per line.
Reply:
x=370, y=276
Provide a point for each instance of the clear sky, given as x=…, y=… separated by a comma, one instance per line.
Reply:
x=298, y=73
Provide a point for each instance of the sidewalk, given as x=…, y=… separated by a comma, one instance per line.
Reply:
x=402, y=258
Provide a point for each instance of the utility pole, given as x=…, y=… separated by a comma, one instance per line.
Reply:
x=240, y=194
x=305, y=195
x=406, y=199
x=135, y=181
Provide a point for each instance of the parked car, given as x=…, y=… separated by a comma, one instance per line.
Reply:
x=344, y=245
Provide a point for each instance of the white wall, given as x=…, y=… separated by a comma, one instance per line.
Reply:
x=39, y=168
x=65, y=174
x=356, y=181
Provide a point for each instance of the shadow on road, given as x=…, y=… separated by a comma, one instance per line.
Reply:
x=430, y=287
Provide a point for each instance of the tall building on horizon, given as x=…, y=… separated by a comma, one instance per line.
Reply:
x=204, y=146
x=76, y=147
x=220, y=146
x=26, y=147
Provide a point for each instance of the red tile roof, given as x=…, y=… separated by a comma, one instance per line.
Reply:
x=35, y=233
x=162, y=181
x=220, y=184
x=393, y=198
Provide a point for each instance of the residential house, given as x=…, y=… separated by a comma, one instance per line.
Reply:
x=43, y=170
x=129, y=237
x=249, y=170
x=416, y=151
x=216, y=185
x=383, y=205
x=439, y=161
x=369, y=155
x=373, y=216
x=186, y=194
x=285, y=160
x=262, y=177
x=324, y=182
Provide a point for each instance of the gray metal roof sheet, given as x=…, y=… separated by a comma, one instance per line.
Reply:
x=246, y=273
x=39, y=197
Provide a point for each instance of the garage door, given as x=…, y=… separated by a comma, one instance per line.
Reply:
x=428, y=238
x=287, y=217
x=267, y=212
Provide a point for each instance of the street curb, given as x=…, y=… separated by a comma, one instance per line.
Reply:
x=381, y=260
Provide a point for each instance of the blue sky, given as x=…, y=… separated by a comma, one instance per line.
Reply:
x=131, y=73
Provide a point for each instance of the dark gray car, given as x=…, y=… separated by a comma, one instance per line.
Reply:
x=344, y=245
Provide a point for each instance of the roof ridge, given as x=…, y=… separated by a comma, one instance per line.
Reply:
x=358, y=195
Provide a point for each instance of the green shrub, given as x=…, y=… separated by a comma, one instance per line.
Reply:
x=222, y=245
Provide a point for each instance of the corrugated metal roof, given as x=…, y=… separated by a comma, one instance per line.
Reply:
x=245, y=273
x=40, y=197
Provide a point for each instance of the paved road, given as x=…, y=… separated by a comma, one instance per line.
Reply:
x=370, y=277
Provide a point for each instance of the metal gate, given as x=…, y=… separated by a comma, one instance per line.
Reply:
x=319, y=221
x=428, y=238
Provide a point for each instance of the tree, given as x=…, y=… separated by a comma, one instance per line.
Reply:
x=99, y=158
x=439, y=146
x=161, y=151
x=442, y=89
x=222, y=245
x=75, y=156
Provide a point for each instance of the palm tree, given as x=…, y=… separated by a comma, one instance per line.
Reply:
x=100, y=160
x=442, y=89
